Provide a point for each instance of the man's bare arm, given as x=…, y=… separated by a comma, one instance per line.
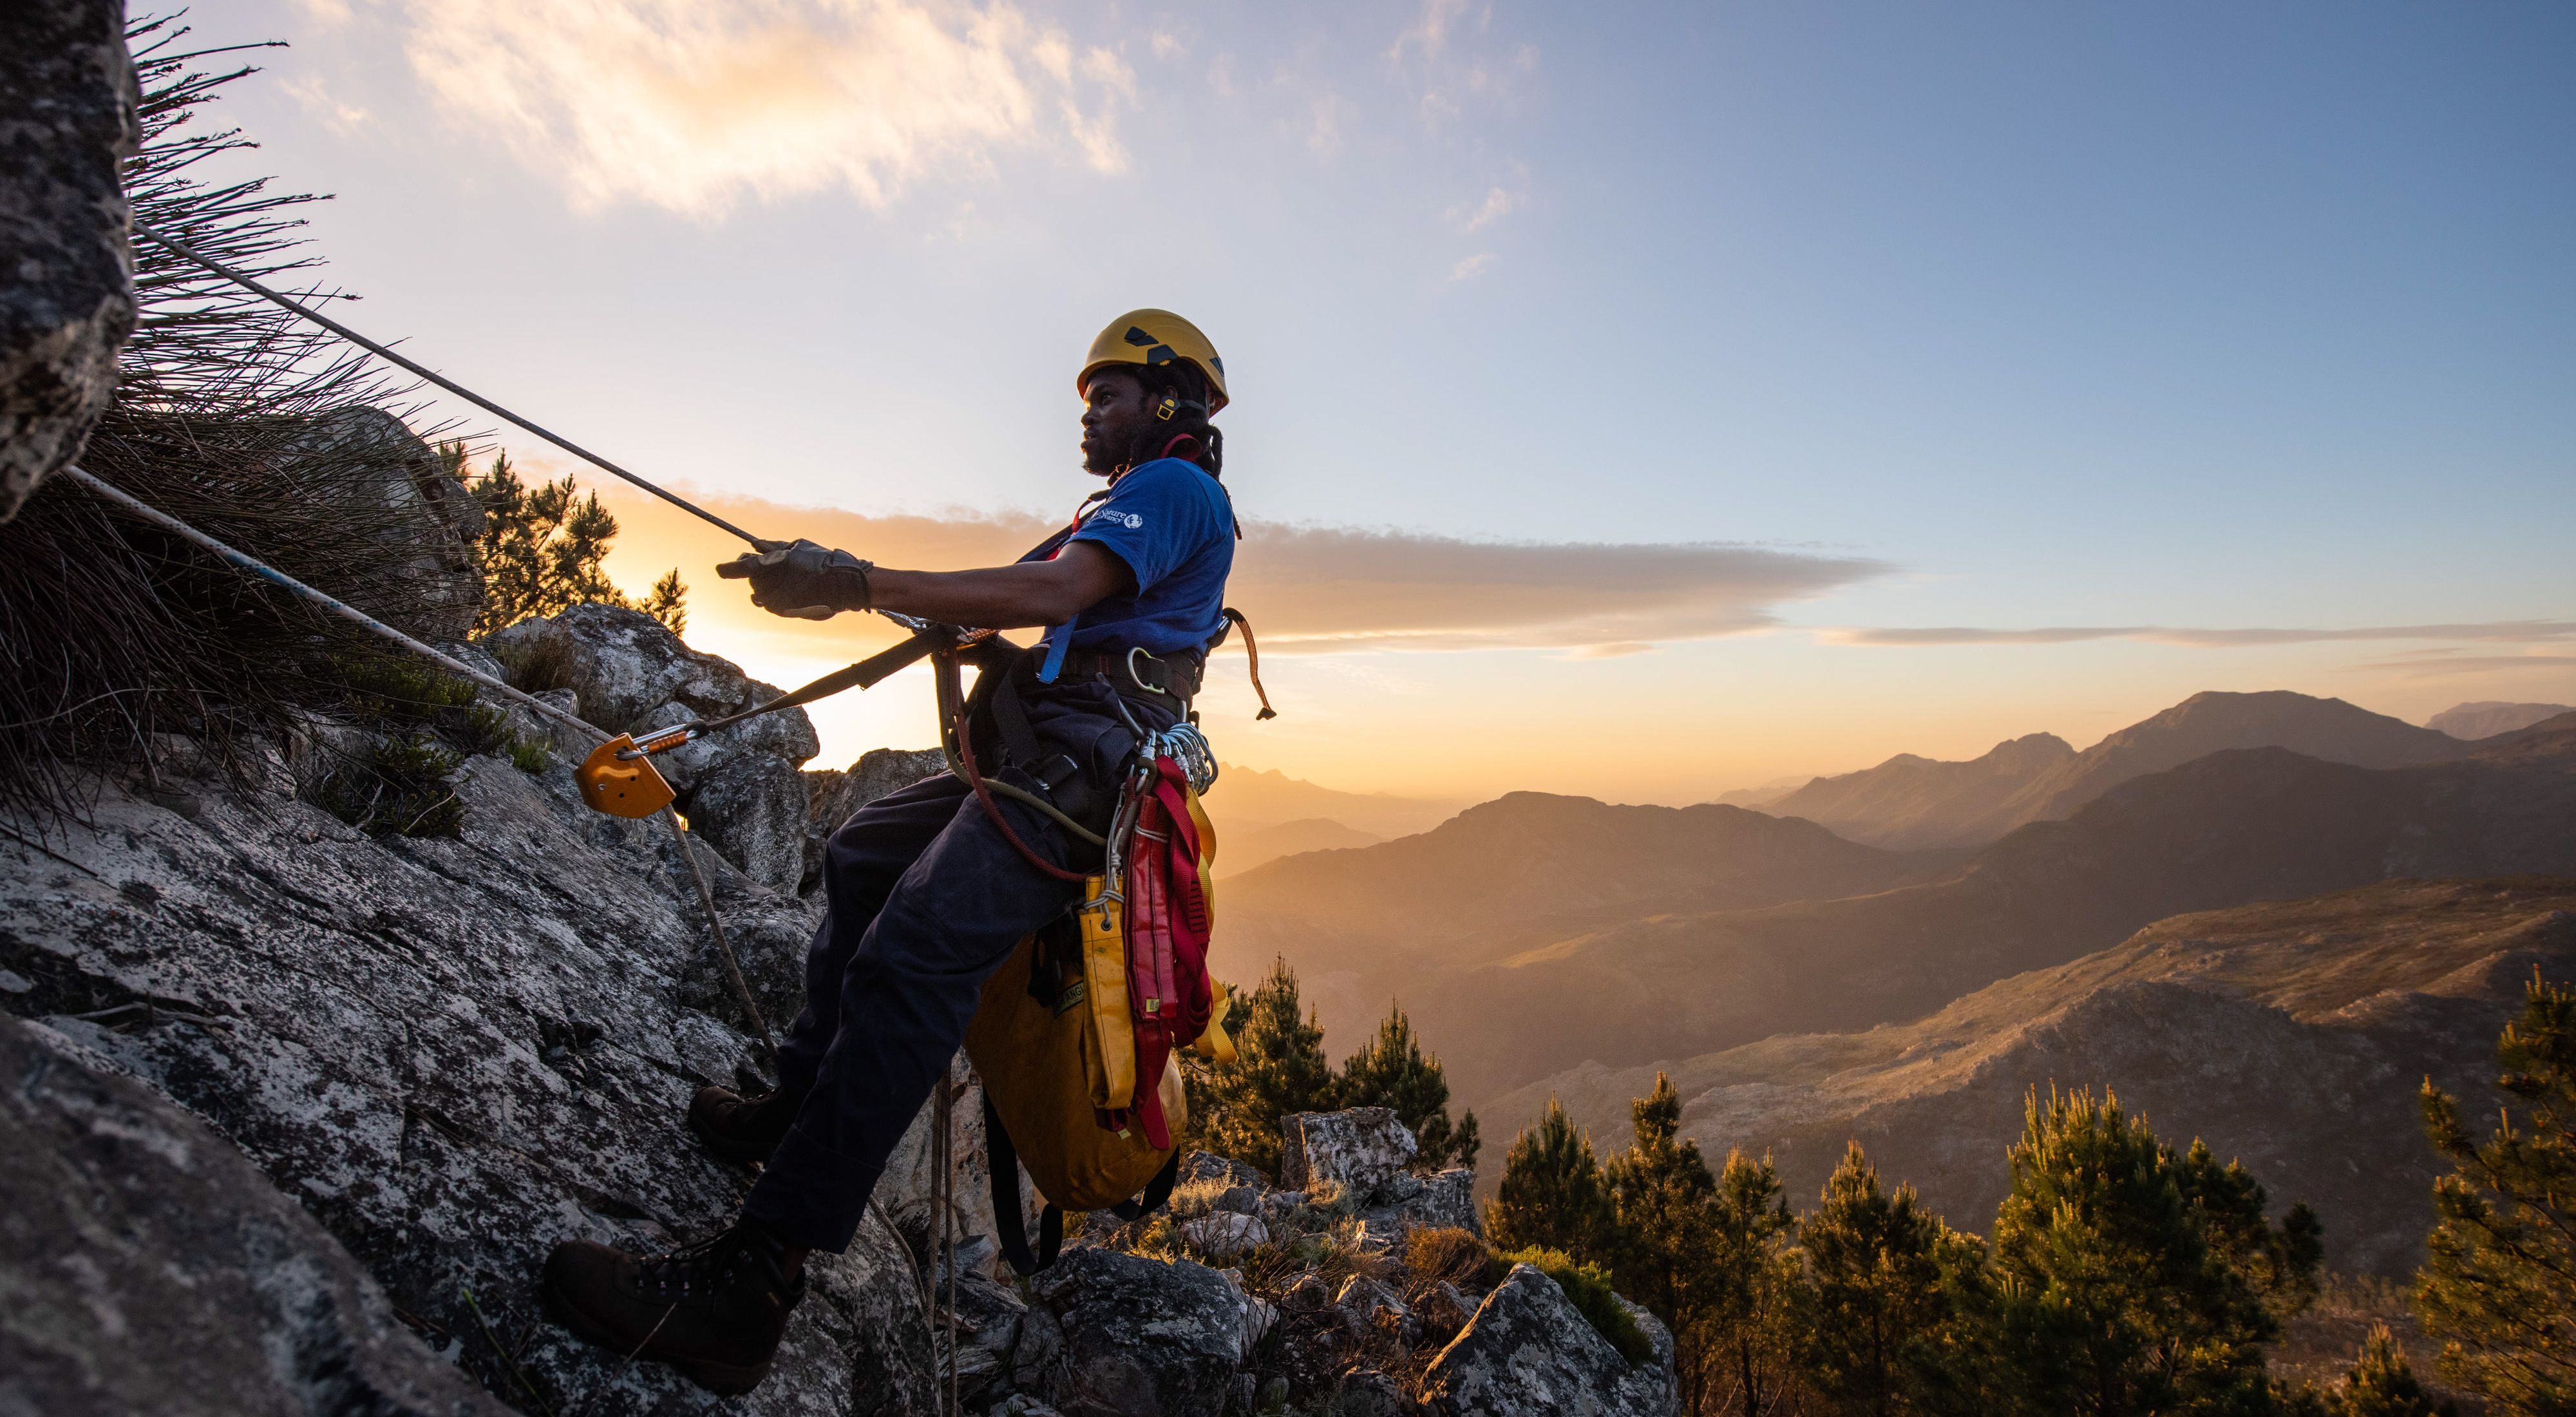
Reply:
x=1006, y=597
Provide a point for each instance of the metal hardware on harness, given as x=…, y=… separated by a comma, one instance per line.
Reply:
x=1185, y=745
x=1138, y=679
x=662, y=740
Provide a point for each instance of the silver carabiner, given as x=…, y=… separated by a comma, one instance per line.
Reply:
x=1137, y=679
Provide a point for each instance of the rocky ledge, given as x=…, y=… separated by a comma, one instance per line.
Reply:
x=297, y=1110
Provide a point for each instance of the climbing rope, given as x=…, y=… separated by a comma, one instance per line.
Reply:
x=453, y=665
x=381, y=352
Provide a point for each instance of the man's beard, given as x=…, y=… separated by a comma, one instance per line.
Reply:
x=1103, y=459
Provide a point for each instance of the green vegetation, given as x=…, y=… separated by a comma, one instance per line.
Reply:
x=2499, y=1283
x=1393, y=1072
x=2124, y=1276
x=1588, y=1288
x=1280, y=1069
x=1552, y=1194
x=543, y=548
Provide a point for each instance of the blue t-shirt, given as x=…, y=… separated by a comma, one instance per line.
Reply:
x=1173, y=526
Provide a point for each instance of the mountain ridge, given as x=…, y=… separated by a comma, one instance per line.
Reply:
x=2289, y=1033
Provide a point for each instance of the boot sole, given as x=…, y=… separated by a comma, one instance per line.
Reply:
x=722, y=1379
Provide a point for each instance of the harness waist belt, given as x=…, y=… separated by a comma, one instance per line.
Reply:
x=1177, y=674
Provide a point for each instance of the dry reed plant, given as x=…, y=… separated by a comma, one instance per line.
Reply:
x=239, y=418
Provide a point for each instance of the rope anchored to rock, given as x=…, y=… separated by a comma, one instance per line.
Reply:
x=458, y=667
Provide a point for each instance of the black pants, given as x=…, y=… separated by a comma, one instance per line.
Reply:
x=926, y=900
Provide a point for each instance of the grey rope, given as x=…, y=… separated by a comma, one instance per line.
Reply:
x=269, y=573
x=381, y=352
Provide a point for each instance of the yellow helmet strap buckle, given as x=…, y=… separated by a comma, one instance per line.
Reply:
x=1169, y=406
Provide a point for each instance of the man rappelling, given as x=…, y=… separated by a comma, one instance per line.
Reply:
x=929, y=890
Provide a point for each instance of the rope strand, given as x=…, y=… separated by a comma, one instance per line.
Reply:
x=381, y=352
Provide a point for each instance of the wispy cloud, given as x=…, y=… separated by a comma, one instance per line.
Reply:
x=1323, y=589
x=2524, y=631
x=1498, y=203
x=2446, y=664
x=1473, y=266
x=1430, y=30
x=693, y=107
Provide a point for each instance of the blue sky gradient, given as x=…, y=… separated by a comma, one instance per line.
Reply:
x=2201, y=317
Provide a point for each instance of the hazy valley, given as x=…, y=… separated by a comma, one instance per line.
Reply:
x=2243, y=914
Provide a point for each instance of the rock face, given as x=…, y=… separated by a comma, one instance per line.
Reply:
x=153, y=1269
x=435, y=521
x=452, y=1052
x=834, y=796
x=67, y=95
x=1142, y=1337
x=739, y=787
x=1359, y=1148
x=1529, y=1352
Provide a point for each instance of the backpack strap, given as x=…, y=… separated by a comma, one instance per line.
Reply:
x=1004, y=1161
x=1156, y=1194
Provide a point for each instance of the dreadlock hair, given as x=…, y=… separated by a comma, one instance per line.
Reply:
x=1188, y=389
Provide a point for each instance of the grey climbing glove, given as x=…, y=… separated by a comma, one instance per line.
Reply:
x=802, y=579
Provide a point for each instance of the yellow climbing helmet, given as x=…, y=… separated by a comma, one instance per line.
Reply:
x=1154, y=337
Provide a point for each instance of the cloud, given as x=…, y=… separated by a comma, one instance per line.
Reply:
x=2453, y=664
x=1307, y=589
x=1429, y=32
x=1498, y=204
x=693, y=106
x=2505, y=630
x=327, y=108
x=1473, y=266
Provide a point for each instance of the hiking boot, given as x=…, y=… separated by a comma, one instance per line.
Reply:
x=739, y=1128
x=715, y=1311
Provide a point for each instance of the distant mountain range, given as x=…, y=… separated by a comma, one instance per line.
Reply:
x=2290, y=1035
x=1240, y=849
x=1533, y=934
x=1910, y=803
x=1525, y=870
x=1248, y=800
x=2489, y=717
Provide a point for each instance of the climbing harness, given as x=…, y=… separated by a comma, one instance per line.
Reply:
x=1136, y=989
x=266, y=572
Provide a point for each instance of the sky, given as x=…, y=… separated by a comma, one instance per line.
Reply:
x=1632, y=400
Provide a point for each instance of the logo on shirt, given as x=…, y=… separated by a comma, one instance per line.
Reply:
x=1129, y=520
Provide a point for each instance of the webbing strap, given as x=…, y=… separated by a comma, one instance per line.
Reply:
x=1156, y=1194
x=1003, y=1159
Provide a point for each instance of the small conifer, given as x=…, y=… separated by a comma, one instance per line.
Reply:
x=1875, y=1291
x=543, y=550
x=1279, y=1069
x=2112, y=1296
x=2383, y=1385
x=1746, y=1332
x=1394, y=1072
x=1552, y=1194
x=2499, y=1279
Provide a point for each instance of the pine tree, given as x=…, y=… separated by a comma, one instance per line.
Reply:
x=2382, y=1384
x=542, y=550
x=1552, y=1194
x=1278, y=1069
x=1876, y=1295
x=1746, y=1329
x=1392, y=1071
x=2499, y=1280
x=2279, y=1263
x=2112, y=1299
x=1662, y=1192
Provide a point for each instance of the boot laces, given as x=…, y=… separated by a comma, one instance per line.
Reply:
x=694, y=1271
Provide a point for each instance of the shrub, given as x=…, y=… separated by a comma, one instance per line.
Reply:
x=1587, y=1287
